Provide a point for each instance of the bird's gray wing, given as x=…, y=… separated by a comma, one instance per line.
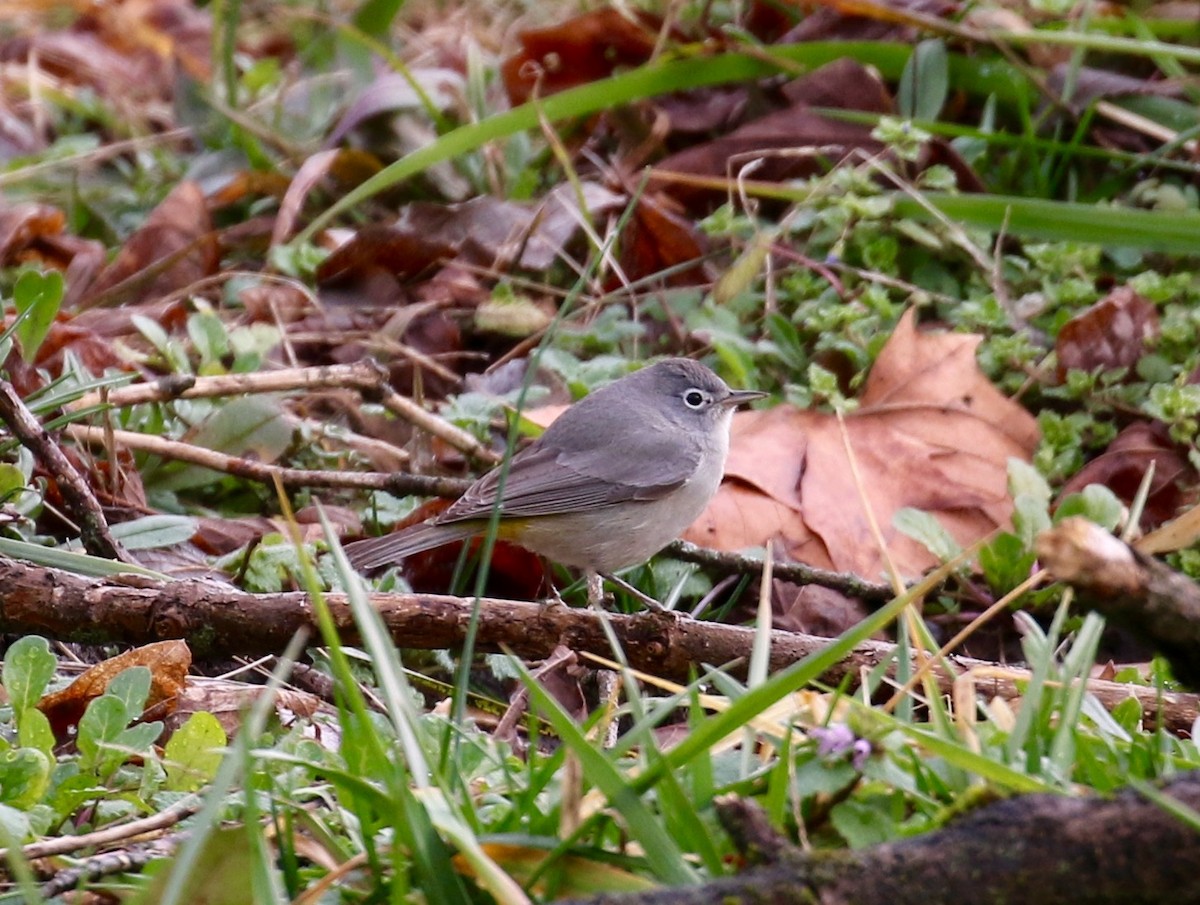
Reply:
x=545, y=479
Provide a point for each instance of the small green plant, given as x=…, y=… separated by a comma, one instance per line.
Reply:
x=113, y=769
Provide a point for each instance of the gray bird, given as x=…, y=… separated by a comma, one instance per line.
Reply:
x=615, y=478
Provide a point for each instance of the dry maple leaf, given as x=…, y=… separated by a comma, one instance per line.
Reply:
x=931, y=433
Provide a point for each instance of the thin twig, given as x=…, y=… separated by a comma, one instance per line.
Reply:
x=431, y=424
x=121, y=861
x=395, y=483
x=365, y=376
x=360, y=375
x=725, y=563
x=64, y=845
x=80, y=501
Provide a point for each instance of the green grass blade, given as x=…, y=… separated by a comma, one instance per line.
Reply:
x=958, y=755
x=1089, y=40
x=659, y=78
x=79, y=563
x=662, y=853
x=1064, y=221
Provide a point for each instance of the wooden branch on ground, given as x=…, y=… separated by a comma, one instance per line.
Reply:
x=217, y=620
x=365, y=376
x=398, y=483
x=1032, y=849
x=78, y=497
x=1148, y=597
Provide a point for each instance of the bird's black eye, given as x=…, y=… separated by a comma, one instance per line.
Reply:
x=695, y=399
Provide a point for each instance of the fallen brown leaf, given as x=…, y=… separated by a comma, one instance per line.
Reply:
x=21, y=225
x=659, y=238
x=854, y=20
x=168, y=662
x=174, y=248
x=1123, y=465
x=931, y=433
x=795, y=141
x=1112, y=333
x=487, y=231
x=583, y=49
x=229, y=702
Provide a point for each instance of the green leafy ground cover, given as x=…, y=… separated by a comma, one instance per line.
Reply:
x=381, y=798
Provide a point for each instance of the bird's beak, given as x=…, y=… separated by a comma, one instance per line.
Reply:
x=737, y=397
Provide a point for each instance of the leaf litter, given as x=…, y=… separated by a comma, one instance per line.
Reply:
x=804, y=497
x=418, y=285
x=930, y=432
x=905, y=445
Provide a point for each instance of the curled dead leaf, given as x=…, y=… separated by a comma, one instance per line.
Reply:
x=1123, y=466
x=168, y=662
x=581, y=50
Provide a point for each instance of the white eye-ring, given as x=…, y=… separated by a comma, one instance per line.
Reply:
x=696, y=399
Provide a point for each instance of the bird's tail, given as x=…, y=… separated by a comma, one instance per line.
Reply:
x=381, y=551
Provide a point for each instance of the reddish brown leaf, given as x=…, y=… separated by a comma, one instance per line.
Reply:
x=94, y=351
x=931, y=433
x=230, y=701
x=856, y=20
x=130, y=76
x=88, y=335
x=705, y=110
x=487, y=231
x=768, y=21
x=175, y=28
x=1113, y=333
x=787, y=132
x=244, y=185
x=1122, y=467
x=174, y=248
x=168, y=662
x=276, y=303
x=844, y=84
x=218, y=536
x=783, y=131
x=128, y=52
x=402, y=254
x=814, y=610
x=23, y=224
x=1088, y=85
x=580, y=50
x=32, y=232
x=119, y=489
x=170, y=315
x=795, y=142
x=514, y=572
x=81, y=258
x=659, y=238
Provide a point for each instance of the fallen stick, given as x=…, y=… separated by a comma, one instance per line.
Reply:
x=217, y=620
